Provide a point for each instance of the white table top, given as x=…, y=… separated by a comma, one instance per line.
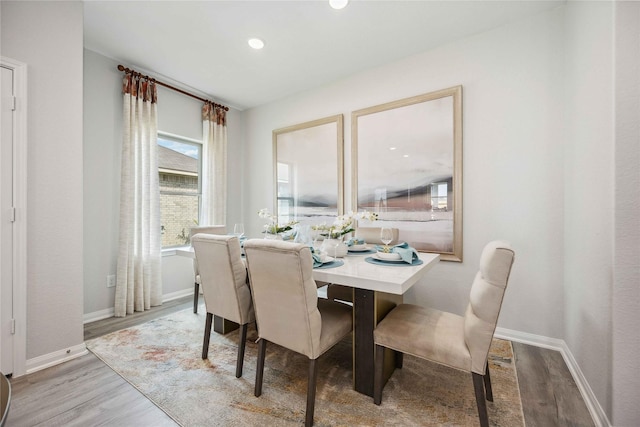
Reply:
x=185, y=251
x=358, y=273
x=393, y=279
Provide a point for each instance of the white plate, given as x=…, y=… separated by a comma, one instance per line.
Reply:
x=358, y=248
x=388, y=256
x=326, y=259
x=384, y=257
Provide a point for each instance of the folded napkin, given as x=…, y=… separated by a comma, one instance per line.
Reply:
x=406, y=252
x=355, y=241
x=317, y=258
x=289, y=235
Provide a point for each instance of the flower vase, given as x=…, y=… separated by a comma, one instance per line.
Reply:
x=335, y=247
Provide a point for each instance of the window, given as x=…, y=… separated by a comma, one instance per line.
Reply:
x=439, y=200
x=179, y=168
x=286, y=201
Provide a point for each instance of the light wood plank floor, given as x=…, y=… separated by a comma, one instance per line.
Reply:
x=86, y=392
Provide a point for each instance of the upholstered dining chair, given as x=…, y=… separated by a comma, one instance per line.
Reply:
x=370, y=235
x=224, y=284
x=204, y=229
x=460, y=342
x=288, y=311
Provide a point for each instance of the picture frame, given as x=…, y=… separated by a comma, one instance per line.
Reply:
x=407, y=167
x=308, y=171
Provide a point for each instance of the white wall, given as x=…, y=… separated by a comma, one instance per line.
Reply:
x=513, y=170
x=626, y=292
x=177, y=114
x=102, y=144
x=589, y=191
x=47, y=36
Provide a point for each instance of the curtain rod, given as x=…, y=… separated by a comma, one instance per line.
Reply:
x=135, y=73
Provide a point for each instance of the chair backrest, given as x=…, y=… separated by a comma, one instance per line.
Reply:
x=205, y=229
x=372, y=235
x=485, y=301
x=223, y=277
x=284, y=294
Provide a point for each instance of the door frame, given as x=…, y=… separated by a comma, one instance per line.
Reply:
x=20, y=204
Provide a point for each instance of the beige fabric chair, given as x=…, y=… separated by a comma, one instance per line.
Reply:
x=288, y=311
x=448, y=339
x=224, y=284
x=370, y=235
x=204, y=229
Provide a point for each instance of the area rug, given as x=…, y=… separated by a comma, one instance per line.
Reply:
x=162, y=359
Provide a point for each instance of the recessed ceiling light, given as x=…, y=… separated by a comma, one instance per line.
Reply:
x=256, y=43
x=392, y=148
x=405, y=155
x=338, y=4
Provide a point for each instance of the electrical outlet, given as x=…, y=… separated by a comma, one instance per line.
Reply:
x=111, y=281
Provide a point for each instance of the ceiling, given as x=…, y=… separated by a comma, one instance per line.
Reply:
x=202, y=45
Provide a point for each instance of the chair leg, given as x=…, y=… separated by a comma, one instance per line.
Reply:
x=311, y=392
x=377, y=375
x=478, y=385
x=262, y=348
x=196, y=293
x=241, y=346
x=487, y=384
x=207, y=335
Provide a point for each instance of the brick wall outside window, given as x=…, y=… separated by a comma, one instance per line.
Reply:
x=178, y=212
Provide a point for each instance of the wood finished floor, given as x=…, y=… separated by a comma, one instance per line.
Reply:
x=86, y=392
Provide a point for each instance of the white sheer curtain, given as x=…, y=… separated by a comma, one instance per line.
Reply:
x=139, y=284
x=214, y=166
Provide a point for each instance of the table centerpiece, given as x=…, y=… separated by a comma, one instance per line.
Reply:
x=334, y=233
x=273, y=230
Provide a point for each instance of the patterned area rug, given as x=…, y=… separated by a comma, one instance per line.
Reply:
x=162, y=359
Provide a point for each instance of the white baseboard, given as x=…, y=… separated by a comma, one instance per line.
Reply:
x=600, y=418
x=178, y=294
x=110, y=312
x=55, y=358
x=98, y=315
x=530, y=339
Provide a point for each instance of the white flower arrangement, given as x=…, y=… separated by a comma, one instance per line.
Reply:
x=343, y=224
x=273, y=227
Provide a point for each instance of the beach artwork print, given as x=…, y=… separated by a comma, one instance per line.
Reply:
x=308, y=171
x=407, y=168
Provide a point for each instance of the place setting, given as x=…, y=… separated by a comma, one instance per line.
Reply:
x=399, y=255
x=357, y=246
x=322, y=260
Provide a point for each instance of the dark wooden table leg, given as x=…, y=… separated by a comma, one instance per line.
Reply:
x=223, y=326
x=363, y=348
x=369, y=307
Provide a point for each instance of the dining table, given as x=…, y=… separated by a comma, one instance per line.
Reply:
x=377, y=288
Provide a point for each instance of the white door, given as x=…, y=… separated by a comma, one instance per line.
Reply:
x=6, y=223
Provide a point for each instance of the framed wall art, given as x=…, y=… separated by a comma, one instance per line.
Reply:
x=308, y=171
x=407, y=167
